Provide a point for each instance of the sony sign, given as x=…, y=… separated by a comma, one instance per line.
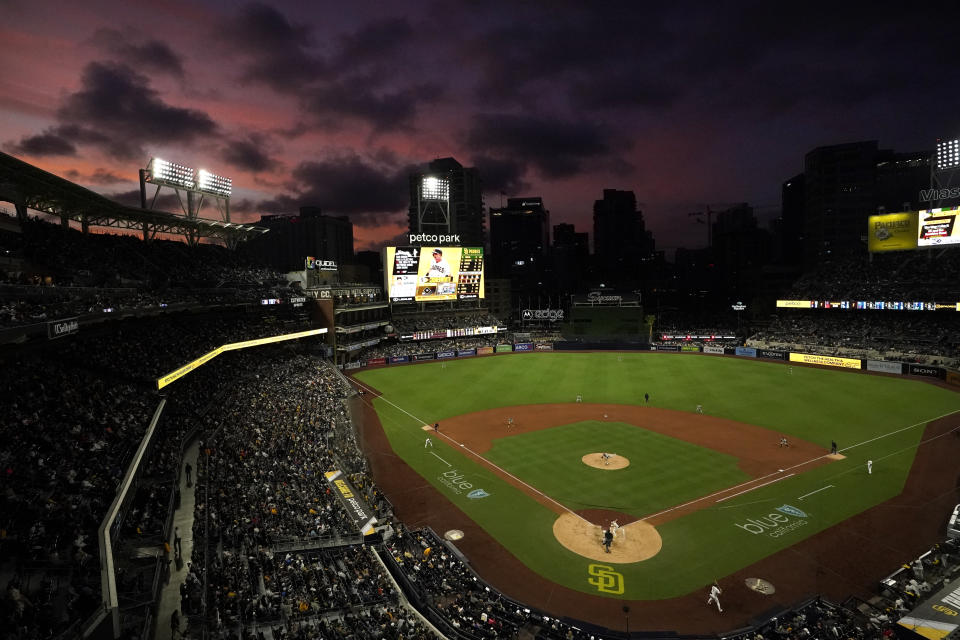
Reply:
x=433, y=238
x=929, y=195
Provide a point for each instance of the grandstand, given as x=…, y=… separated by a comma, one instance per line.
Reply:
x=206, y=506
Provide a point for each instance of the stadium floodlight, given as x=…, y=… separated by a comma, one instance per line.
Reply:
x=217, y=185
x=171, y=172
x=434, y=188
x=948, y=154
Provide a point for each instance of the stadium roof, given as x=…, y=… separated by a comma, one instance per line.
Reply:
x=26, y=185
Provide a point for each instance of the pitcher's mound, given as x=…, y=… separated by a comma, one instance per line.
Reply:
x=614, y=462
x=635, y=542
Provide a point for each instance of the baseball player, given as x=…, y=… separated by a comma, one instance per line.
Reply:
x=579, y=398
x=870, y=467
x=607, y=540
x=428, y=443
x=784, y=443
x=700, y=409
x=715, y=592
x=509, y=422
x=436, y=426
x=614, y=527
x=606, y=458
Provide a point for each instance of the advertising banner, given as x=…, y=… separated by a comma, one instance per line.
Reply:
x=352, y=365
x=375, y=361
x=483, y=351
x=425, y=356
x=361, y=515
x=925, y=371
x=543, y=346
x=938, y=227
x=431, y=273
x=523, y=346
x=667, y=347
x=953, y=378
x=551, y=315
x=795, y=304
x=463, y=353
x=446, y=354
x=827, y=361
x=483, y=331
x=892, y=232
x=712, y=349
x=690, y=347
x=749, y=352
x=399, y=359
x=772, y=355
x=64, y=327
x=882, y=366
x=503, y=348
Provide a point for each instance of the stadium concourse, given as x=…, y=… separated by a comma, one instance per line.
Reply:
x=231, y=528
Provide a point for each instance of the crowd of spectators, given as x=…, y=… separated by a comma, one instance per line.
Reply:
x=916, y=276
x=52, y=272
x=443, y=320
x=916, y=336
x=395, y=348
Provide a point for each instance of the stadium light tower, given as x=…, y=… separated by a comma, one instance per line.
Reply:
x=433, y=204
x=944, y=174
x=197, y=185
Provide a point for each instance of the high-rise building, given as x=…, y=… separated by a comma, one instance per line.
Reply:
x=571, y=258
x=447, y=199
x=621, y=242
x=294, y=236
x=519, y=237
x=846, y=183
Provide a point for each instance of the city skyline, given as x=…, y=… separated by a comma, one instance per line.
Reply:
x=686, y=106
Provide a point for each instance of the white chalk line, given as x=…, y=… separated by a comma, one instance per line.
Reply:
x=813, y=492
x=440, y=459
x=801, y=464
x=756, y=487
x=480, y=457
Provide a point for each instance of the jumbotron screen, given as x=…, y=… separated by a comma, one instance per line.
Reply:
x=938, y=227
x=427, y=274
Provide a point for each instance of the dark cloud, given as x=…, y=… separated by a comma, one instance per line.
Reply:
x=105, y=177
x=500, y=175
x=555, y=147
x=152, y=55
x=275, y=51
x=48, y=143
x=249, y=153
x=374, y=42
x=118, y=110
x=367, y=194
x=333, y=105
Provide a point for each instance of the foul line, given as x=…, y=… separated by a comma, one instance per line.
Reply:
x=756, y=487
x=440, y=459
x=813, y=492
x=480, y=457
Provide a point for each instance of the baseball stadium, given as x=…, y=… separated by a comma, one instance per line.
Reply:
x=226, y=430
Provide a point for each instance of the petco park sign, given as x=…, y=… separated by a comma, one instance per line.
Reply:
x=433, y=238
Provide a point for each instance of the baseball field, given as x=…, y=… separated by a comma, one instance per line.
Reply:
x=697, y=497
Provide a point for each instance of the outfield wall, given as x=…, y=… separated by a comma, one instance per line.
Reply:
x=791, y=357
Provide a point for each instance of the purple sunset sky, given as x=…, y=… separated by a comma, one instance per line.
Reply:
x=332, y=104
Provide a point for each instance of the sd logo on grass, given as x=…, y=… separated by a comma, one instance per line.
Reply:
x=607, y=580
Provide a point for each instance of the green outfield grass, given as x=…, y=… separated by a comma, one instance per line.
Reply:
x=886, y=414
x=653, y=481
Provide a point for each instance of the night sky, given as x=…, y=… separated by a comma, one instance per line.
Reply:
x=332, y=104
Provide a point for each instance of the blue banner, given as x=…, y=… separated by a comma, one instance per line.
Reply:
x=396, y=359
x=466, y=352
x=750, y=352
x=446, y=354
x=523, y=346
x=425, y=356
